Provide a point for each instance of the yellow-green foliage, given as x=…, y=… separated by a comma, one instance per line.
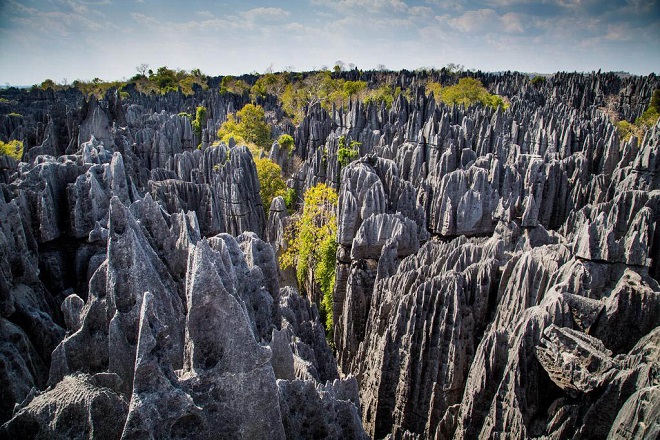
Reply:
x=436, y=88
x=270, y=181
x=468, y=91
x=346, y=155
x=291, y=199
x=188, y=80
x=97, y=87
x=48, y=84
x=627, y=130
x=538, y=81
x=383, y=94
x=200, y=120
x=650, y=116
x=286, y=142
x=644, y=122
x=13, y=148
x=319, y=88
x=269, y=84
x=312, y=244
x=353, y=88
x=229, y=84
x=248, y=126
x=166, y=80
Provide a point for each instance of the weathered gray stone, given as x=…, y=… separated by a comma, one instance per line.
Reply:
x=227, y=372
x=75, y=408
x=159, y=408
x=328, y=411
x=575, y=361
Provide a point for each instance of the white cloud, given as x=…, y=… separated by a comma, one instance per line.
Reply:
x=448, y=5
x=342, y=5
x=205, y=14
x=514, y=23
x=57, y=22
x=145, y=19
x=476, y=21
x=421, y=11
x=265, y=14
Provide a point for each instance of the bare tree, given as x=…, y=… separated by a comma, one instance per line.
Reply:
x=142, y=69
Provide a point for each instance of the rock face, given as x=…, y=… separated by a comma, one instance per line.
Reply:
x=519, y=316
x=186, y=361
x=496, y=276
x=80, y=406
x=151, y=308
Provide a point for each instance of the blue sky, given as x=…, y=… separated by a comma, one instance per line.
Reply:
x=84, y=39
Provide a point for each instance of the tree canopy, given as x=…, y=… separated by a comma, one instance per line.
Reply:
x=312, y=244
x=270, y=181
x=13, y=148
x=468, y=91
x=248, y=126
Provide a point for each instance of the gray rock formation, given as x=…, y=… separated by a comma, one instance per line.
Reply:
x=517, y=335
x=497, y=269
x=78, y=407
x=329, y=411
x=158, y=366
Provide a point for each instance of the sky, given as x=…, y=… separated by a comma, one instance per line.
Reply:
x=64, y=40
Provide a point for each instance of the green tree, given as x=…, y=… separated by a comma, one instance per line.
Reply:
x=165, y=79
x=286, y=142
x=48, y=84
x=200, y=120
x=13, y=148
x=352, y=88
x=468, y=91
x=247, y=126
x=434, y=87
x=271, y=183
x=538, y=81
x=313, y=244
x=651, y=114
x=346, y=155
x=319, y=88
x=229, y=84
x=291, y=199
x=642, y=123
x=269, y=84
x=383, y=94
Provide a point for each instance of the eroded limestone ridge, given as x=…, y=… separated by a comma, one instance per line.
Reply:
x=496, y=274
x=214, y=356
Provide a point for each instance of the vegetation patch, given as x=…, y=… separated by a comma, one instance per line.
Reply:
x=248, y=126
x=312, y=244
x=647, y=120
x=468, y=91
x=271, y=184
x=13, y=149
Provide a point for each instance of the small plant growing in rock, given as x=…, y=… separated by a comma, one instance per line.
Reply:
x=286, y=142
x=346, y=155
x=200, y=120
